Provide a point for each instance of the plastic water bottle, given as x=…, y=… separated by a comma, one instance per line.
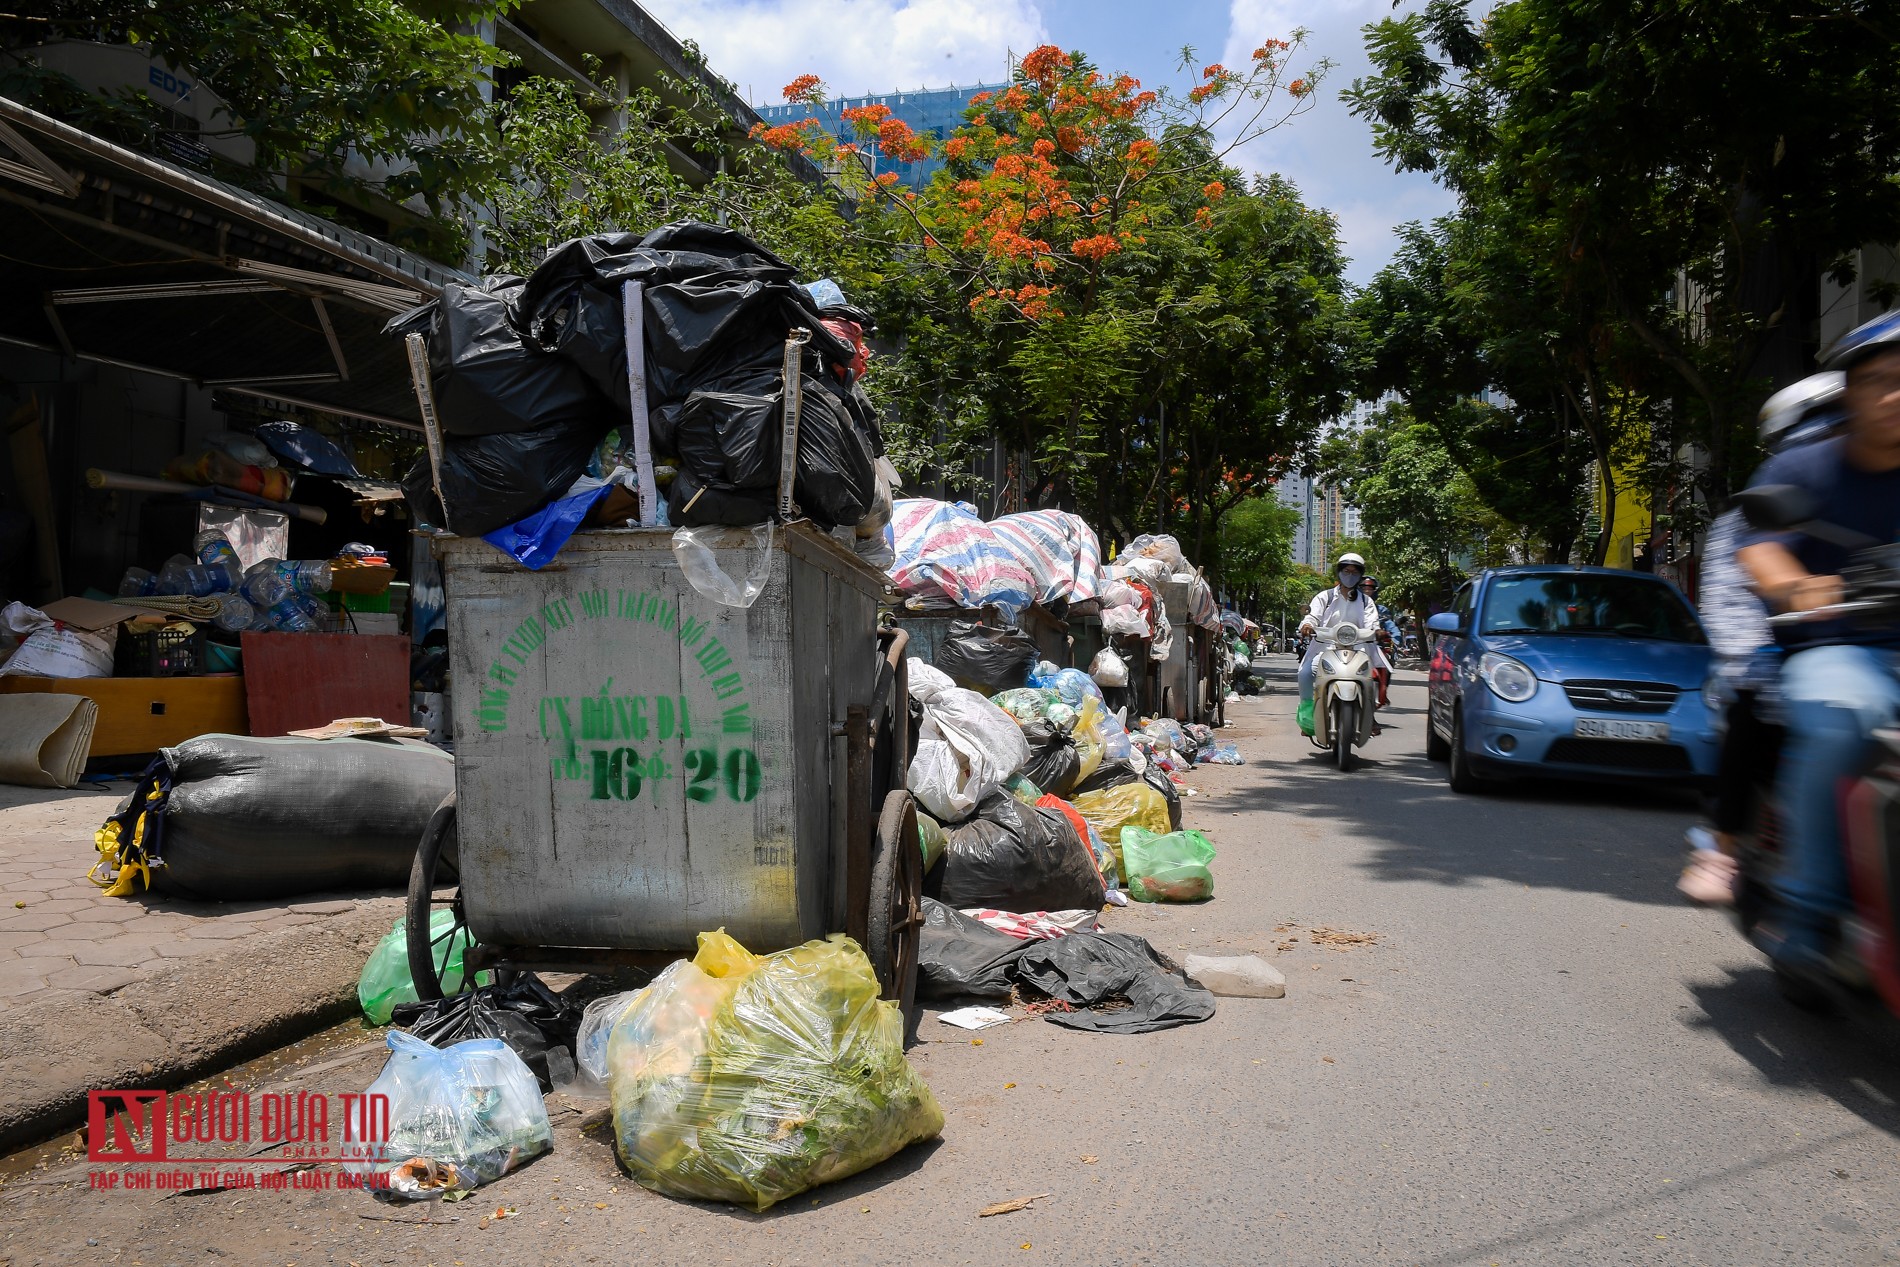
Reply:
x=180, y=576
x=138, y=583
x=288, y=616
x=309, y=576
x=264, y=586
x=234, y=614
x=215, y=552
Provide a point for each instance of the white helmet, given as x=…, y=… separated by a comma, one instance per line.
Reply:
x=1800, y=410
x=1350, y=559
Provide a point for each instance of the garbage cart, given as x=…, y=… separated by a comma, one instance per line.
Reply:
x=637, y=763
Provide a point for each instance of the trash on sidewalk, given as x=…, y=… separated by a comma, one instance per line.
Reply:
x=958, y=956
x=533, y=1020
x=967, y=747
x=1169, y=867
x=1011, y=1206
x=385, y=982
x=1220, y=754
x=1085, y=970
x=750, y=1079
x=1033, y=925
x=975, y=1017
x=1013, y=856
x=229, y=817
x=598, y=1019
x=1236, y=976
x=459, y=1117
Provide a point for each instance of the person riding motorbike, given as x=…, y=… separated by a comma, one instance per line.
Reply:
x=1345, y=603
x=1746, y=658
x=1838, y=683
x=1382, y=634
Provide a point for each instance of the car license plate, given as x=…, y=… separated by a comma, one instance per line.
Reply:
x=1602, y=728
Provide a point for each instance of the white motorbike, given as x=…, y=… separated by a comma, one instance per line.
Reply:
x=1343, y=691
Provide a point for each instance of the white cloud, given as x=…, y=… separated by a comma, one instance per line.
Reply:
x=1327, y=151
x=855, y=46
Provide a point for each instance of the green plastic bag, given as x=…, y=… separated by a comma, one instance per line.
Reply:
x=746, y=1078
x=931, y=836
x=386, y=982
x=1305, y=717
x=1170, y=868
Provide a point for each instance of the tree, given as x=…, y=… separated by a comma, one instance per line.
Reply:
x=403, y=84
x=1256, y=551
x=1664, y=180
x=1423, y=518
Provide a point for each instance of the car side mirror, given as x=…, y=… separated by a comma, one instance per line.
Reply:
x=1444, y=623
x=1776, y=505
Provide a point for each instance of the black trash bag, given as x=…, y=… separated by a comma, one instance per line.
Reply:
x=525, y=1014
x=1053, y=758
x=731, y=442
x=985, y=659
x=1157, y=778
x=1086, y=970
x=837, y=458
x=487, y=381
x=490, y=481
x=268, y=818
x=959, y=957
x=1015, y=857
x=691, y=504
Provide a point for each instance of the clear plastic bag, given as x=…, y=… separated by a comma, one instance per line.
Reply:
x=1167, y=867
x=1108, y=669
x=693, y=549
x=385, y=980
x=751, y=1079
x=590, y=1041
x=1111, y=809
x=1124, y=622
x=459, y=1117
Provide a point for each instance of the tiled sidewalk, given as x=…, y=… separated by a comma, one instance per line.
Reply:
x=59, y=933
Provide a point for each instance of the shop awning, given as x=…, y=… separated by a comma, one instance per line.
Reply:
x=113, y=256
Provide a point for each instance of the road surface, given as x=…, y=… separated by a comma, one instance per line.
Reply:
x=1513, y=1045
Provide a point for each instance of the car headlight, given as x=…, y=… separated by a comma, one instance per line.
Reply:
x=1508, y=679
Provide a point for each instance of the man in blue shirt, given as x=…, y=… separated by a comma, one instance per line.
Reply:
x=1838, y=685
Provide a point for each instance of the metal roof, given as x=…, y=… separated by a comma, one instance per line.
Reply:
x=114, y=256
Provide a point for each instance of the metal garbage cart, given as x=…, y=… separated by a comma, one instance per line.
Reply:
x=637, y=763
x=930, y=628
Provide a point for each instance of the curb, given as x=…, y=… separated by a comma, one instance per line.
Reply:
x=170, y=1029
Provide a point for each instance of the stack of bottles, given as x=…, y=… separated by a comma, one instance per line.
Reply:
x=273, y=595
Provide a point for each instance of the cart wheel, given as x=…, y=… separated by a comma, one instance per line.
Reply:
x=428, y=959
x=897, y=910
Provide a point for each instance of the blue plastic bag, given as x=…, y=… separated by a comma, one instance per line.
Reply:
x=533, y=542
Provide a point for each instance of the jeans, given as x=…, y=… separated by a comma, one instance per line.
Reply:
x=1834, y=699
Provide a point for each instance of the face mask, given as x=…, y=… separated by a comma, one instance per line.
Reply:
x=1350, y=579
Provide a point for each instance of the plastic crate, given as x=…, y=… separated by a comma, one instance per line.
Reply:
x=169, y=652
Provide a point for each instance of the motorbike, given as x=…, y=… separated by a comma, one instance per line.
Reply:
x=1864, y=971
x=1343, y=691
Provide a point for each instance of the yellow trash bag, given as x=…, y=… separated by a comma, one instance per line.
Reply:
x=1090, y=736
x=745, y=1078
x=1129, y=805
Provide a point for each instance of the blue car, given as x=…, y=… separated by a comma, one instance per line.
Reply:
x=1570, y=672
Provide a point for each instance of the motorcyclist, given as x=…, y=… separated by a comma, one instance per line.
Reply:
x=1838, y=683
x=1747, y=662
x=1345, y=603
x=1384, y=634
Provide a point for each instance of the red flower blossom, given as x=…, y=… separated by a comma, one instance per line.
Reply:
x=1214, y=189
x=805, y=88
x=1096, y=248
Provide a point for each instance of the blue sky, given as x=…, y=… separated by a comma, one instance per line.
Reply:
x=860, y=46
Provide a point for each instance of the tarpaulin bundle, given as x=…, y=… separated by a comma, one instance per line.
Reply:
x=949, y=557
x=1202, y=609
x=1060, y=552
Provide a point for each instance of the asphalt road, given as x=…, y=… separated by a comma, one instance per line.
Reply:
x=1541, y=1056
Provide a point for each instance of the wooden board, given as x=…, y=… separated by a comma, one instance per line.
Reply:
x=300, y=681
x=143, y=714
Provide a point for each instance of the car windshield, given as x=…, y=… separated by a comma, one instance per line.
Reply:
x=1580, y=603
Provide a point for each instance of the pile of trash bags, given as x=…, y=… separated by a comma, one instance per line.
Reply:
x=532, y=384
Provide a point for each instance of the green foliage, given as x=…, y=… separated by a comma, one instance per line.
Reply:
x=1424, y=520
x=1647, y=191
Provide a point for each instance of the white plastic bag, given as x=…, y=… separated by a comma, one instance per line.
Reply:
x=967, y=747
x=51, y=649
x=1108, y=669
x=1124, y=621
x=1120, y=594
x=459, y=1117
x=693, y=549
